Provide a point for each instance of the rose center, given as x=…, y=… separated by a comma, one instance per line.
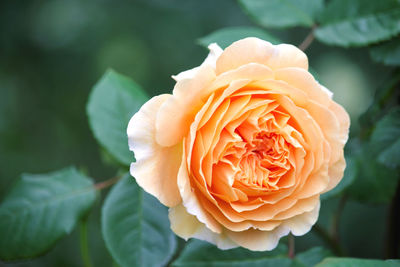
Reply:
x=265, y=161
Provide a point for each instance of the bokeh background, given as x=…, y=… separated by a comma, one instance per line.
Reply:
x=53, y=52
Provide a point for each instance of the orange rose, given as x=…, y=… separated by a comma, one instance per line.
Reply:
x=243, y=148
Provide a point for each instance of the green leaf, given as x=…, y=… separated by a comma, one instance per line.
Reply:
x=112, y=102
x=350, y=174
x=311, y=257
x=352, y=262
x=282, y=13
x=40, y=210
x=135, y=226
x=358, y=22
x=384, y=100
x=202, y=254
x=226, y=36
x=374, y=183
x=386, y=139
x=387, y=53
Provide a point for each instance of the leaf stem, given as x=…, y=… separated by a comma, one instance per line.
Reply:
x=335, y=246
x=84, y=244
x=308, y=40
x=107, y=183
x=291, y=244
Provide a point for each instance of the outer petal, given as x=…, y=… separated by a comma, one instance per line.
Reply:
x=191, y=202
x=177, y=112
x=303, y=80
x=302, y=224
x=187, y=226
x=156, y=167
x=254, y=50
x=336, y=172
x=259, y=240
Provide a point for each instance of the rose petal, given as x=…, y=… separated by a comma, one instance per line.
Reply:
x=302, y=224
x=190, y=199
x=156, y=167
x=259, y=240
x=187, y=226
x=254, y=50
x=178, y=112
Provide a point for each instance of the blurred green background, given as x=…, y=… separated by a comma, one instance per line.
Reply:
x=53, y=52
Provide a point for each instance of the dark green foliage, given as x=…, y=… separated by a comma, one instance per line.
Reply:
x=387, y=53
x=40, y=210
x=358, y=23
x=135, y=226
x=351, y=262
x=283, y=13
x=386, y=139
x=113, y=101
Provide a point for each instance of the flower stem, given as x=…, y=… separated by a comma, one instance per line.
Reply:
x=107, y=183
x=291, y=244
x=84, y=244
x=308, y=40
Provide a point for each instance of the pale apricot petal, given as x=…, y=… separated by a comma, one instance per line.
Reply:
x=191, y=201
x=242, y=52
x=254, y=50
x=266, y=226
x=227, y=223
x=156, y=167
x=335, y=173
x=298, y=96
x=216, y=135
x=316, y=183
x=263, y=213
x=303, y=80
x=259, y=240
x=252, y=71
x=187, y=226
x=302, y=224
x=344, y=120
x=215, y=52
x=207, y=112
x=318, y=180
x=303, y=205
x=287, y=55
x=330, y=126
x=178, y=112
x=327, y=91
x=306, y=125
x=250, y=205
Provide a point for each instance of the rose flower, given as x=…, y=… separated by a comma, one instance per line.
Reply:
x=243, y=148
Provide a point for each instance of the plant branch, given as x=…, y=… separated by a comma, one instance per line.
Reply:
x=107, y=183
x=84, y=244
x=308, y=40
x=335, y=246
x=291, y=244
